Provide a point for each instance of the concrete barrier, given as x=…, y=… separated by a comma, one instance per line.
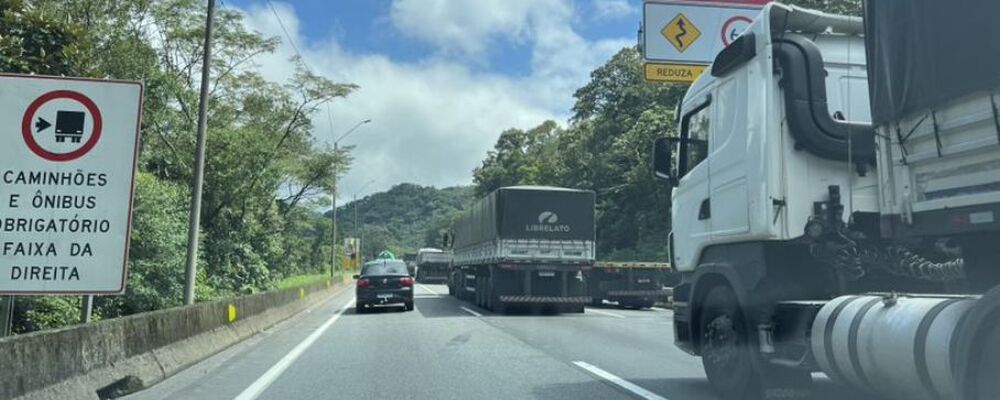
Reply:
x=114, y=357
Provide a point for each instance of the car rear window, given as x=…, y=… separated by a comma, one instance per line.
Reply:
x=385, y=268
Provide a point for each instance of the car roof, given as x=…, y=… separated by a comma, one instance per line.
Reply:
x=384, y=262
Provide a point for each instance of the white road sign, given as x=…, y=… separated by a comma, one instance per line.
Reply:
x=66, y=182
x=690, y=33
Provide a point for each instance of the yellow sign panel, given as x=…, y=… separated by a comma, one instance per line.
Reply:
x=681, y=32
x=676, y=73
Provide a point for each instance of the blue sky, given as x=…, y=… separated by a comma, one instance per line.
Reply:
x=441, y=78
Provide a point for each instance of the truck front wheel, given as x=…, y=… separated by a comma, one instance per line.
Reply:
x=728, y=354
x=725, y=348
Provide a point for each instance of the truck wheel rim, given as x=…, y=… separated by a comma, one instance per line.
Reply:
x=721, y=344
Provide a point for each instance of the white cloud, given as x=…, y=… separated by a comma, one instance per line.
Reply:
x=468, y=27
x=434, y=120
x=613, y=9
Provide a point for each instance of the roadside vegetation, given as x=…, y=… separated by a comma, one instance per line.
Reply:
x=267, y=176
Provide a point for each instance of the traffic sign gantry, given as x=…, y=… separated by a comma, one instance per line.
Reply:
x=66, y=183
x=681, y=35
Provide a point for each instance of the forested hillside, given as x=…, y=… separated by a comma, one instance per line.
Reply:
x=403, y=218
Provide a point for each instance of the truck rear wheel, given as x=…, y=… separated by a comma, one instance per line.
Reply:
x=488, y=293
x=728, y=354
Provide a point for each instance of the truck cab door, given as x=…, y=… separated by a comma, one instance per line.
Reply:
x=728, y=159
x=691, y=207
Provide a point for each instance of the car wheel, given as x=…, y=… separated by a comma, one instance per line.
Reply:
x=408, y=305
x=360, y=308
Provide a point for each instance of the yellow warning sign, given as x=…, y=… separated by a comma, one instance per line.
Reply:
x=674, y=73
x=681, y=32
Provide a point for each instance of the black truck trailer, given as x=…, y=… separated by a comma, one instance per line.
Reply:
x=630, y=284
x=524, y=245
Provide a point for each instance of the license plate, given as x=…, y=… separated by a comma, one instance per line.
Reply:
x=547, y=274
x=385, y=296
x=642, y=280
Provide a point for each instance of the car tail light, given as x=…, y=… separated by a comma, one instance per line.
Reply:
x=363, y=283
x=406, y=281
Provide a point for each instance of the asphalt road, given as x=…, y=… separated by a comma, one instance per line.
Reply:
x=448, y=349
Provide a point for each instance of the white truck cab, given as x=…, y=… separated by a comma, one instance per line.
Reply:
x=743, y=176
x=810, y=238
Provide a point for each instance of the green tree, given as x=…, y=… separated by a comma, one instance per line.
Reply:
x=260, y=143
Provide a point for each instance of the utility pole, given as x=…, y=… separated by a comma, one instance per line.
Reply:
x=333, y=214
x=361, y=240
x=190, y=268
x=336, y=186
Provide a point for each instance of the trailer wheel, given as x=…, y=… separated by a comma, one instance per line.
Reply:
x=499, y=307
x=488, y=293
x=481, y=291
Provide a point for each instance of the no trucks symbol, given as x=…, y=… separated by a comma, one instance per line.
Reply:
x=61, y=125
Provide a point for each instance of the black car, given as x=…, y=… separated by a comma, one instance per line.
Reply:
x=384, y=282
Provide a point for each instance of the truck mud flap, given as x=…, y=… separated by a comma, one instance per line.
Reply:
x=545, y=299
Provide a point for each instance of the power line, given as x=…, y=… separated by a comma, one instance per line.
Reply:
x=287, y=36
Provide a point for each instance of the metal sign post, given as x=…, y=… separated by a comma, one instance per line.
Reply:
x=86, y=309
x=6, y=315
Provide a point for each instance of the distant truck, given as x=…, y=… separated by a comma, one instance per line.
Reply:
x=432, y=265
x=630, y=284
x=411, y=262
x=524, y=245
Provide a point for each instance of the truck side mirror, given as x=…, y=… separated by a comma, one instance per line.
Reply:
x=662, y=159
x=446, y=240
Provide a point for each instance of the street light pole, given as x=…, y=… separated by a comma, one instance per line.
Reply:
x=336, y=186
x=191, y=265
x=361, y=240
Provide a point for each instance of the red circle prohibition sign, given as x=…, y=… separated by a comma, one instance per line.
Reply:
x=29, y=114
x=730, y=22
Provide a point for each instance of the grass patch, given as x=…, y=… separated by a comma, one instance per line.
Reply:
x=303, y=280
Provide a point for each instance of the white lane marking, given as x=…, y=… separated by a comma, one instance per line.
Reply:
x=473, y=312
x=422, y=286
x=661, y=309
x=631, y=387
x=610, y=314
x=262, y=383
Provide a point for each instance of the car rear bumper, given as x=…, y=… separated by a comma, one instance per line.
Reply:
x=385, y=296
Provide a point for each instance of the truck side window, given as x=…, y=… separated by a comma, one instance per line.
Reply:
x=694, y=139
